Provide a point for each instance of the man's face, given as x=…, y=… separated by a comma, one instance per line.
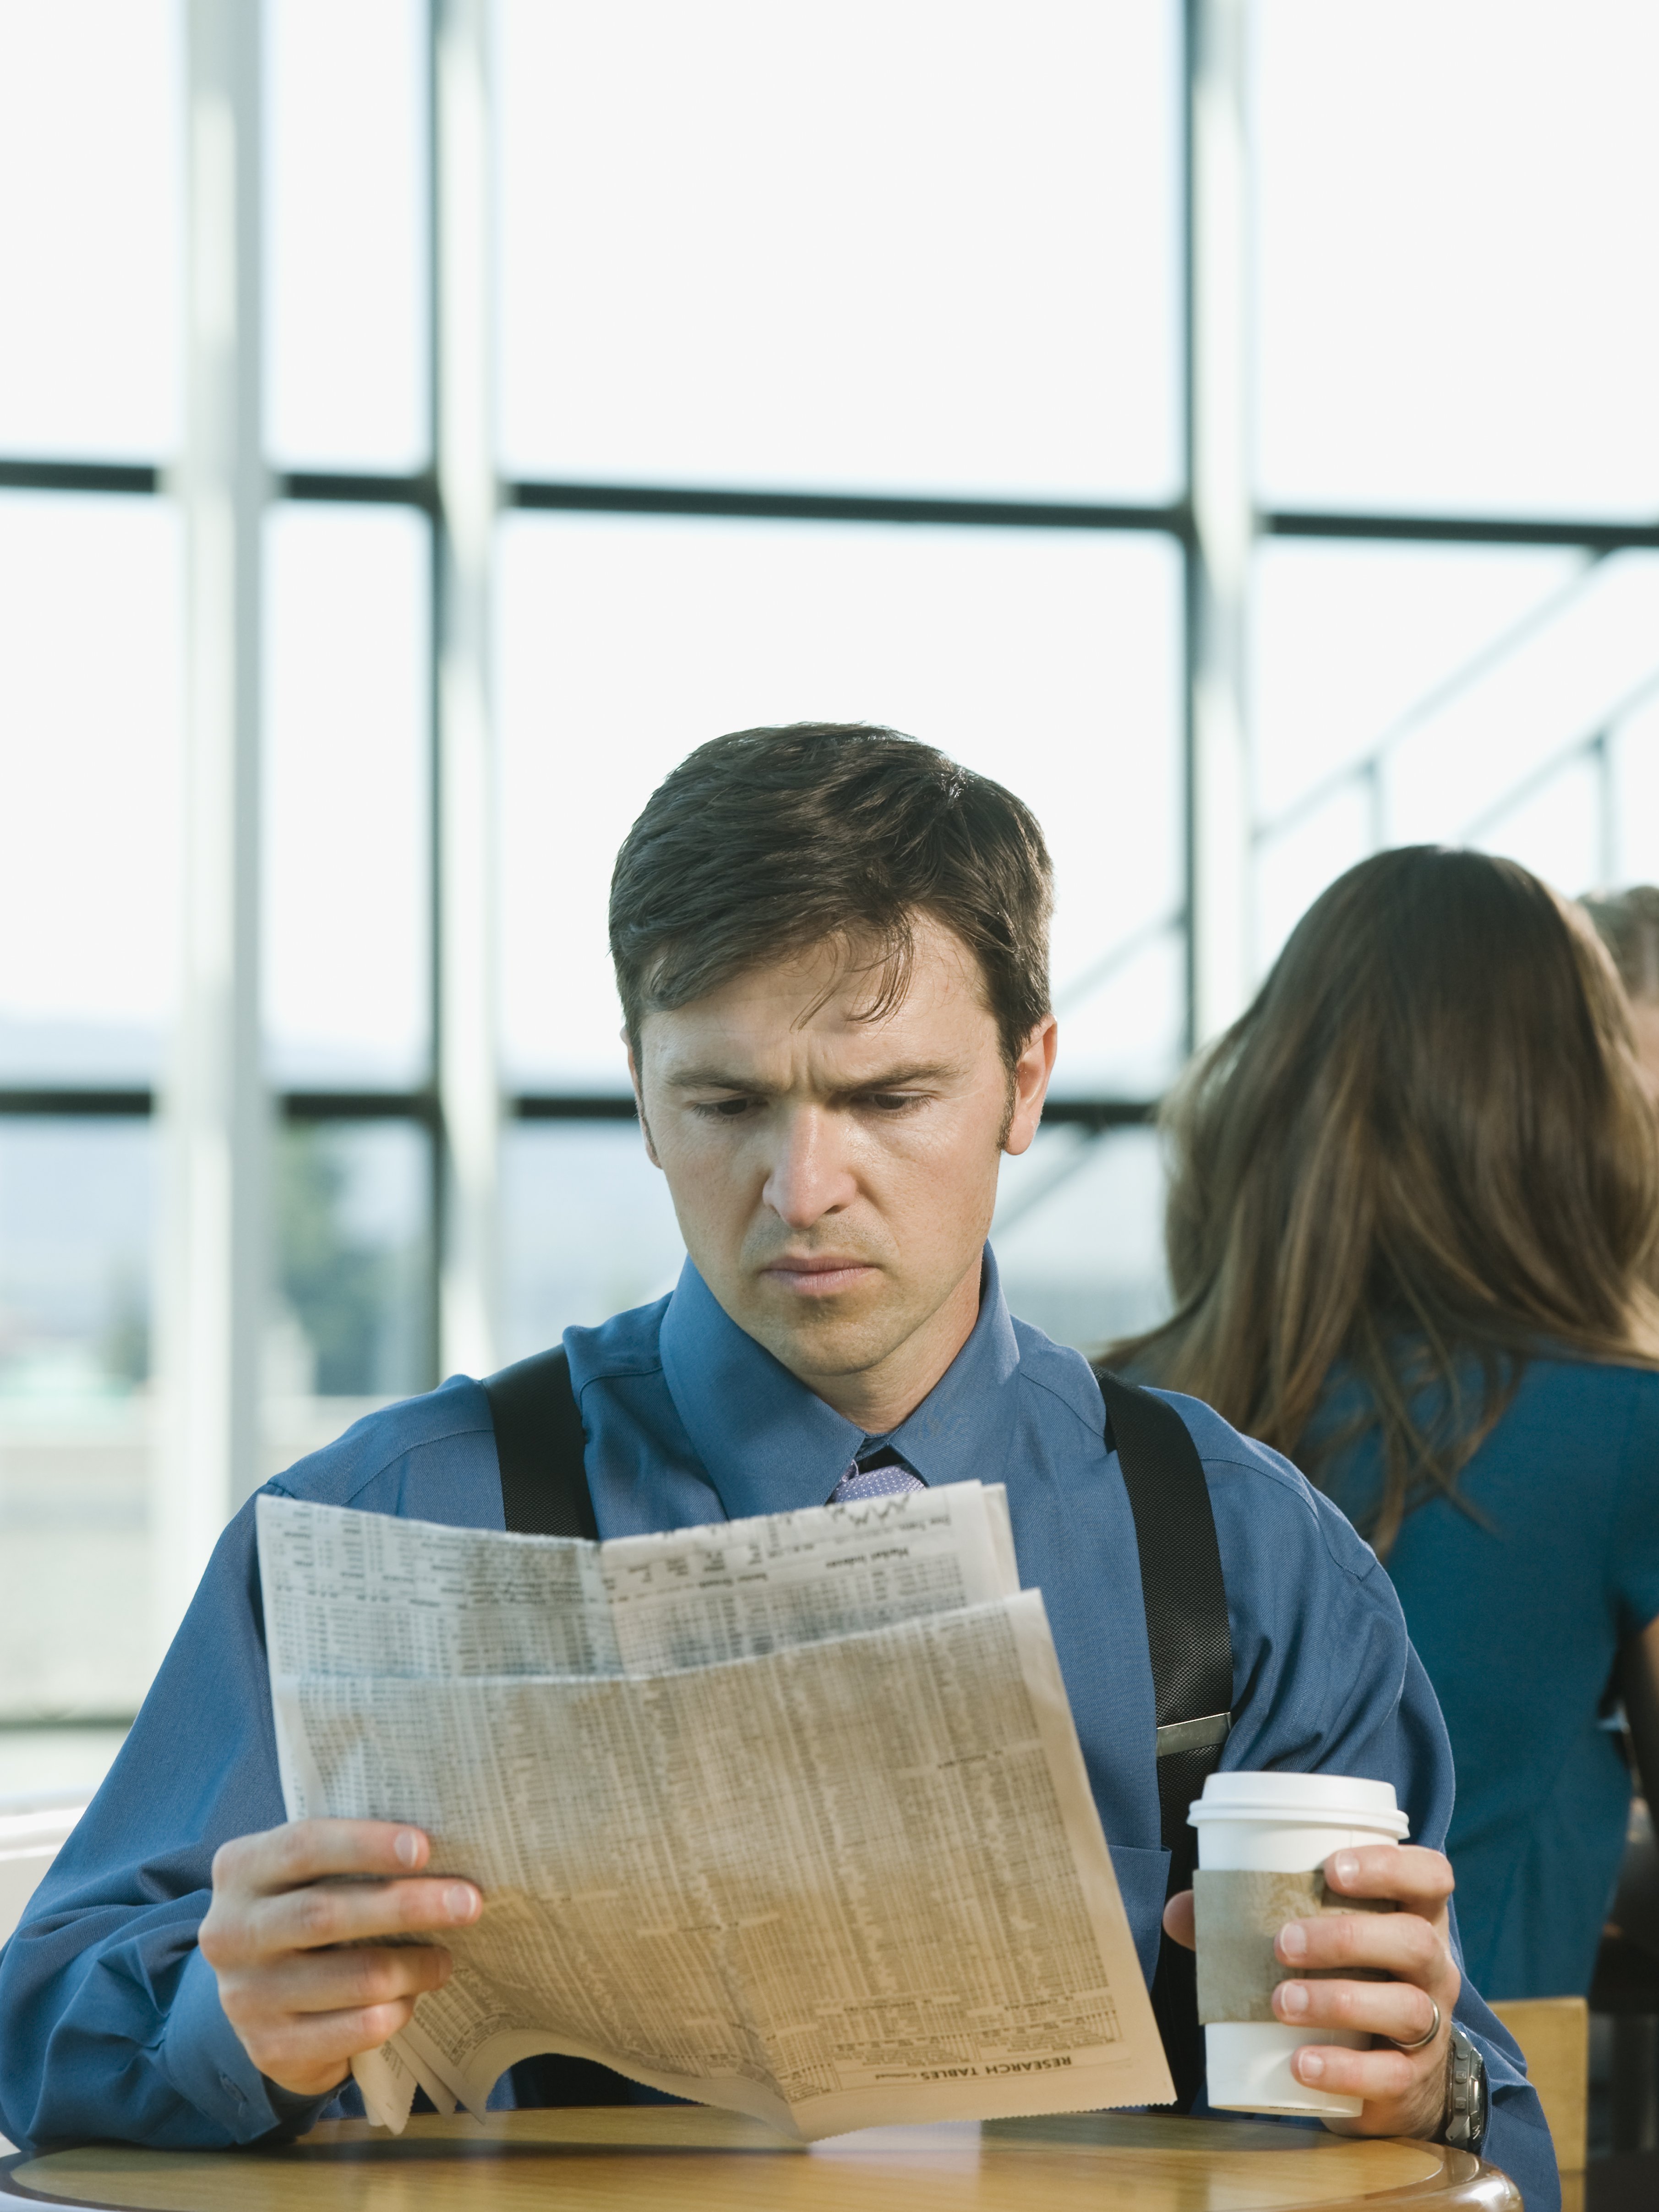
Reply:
x=834, y=1175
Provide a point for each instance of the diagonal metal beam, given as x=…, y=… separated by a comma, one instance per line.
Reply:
x=1462, y=679
x=1587, y=741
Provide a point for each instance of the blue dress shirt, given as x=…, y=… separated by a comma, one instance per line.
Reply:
x=110, y=2021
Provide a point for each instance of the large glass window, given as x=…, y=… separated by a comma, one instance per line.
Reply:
x=1499, y=696
x=1050, y=660
x=590, y=1231
x=1454, y=217
x=1448, y=329
x=76, y=1208
x=351, y=1324
x=347, y=282
x=934, y=247
x=91, y=230
x=90, y=706
x=838, y=365
x=347, y=791
x=1078, y=1234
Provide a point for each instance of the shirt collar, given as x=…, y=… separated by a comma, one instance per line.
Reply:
x=769, y=1445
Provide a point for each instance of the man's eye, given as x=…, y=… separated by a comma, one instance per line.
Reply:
x=893, y=1101
x=721, y=1109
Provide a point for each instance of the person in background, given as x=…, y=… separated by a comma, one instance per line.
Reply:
x=1628, y=923
x=1412, y=1220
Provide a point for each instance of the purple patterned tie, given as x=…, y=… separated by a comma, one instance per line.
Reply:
x=875, y=1473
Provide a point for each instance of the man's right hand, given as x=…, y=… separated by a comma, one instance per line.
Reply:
x=302, y=2003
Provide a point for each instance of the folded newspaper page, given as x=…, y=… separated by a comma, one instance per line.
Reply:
x=787, y=1815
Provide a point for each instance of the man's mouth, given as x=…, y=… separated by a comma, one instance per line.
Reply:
x=817, y=1276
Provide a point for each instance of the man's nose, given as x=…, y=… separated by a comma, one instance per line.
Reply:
x=808, y=1177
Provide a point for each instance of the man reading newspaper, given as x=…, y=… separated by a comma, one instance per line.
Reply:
x=831, y=951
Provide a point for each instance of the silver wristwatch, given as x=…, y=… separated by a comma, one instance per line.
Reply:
x=1465, y=2124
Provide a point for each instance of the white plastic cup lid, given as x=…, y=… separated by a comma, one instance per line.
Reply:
x=1337, y=1801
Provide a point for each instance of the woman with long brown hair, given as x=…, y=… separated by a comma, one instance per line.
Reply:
x=1413, y=1208
x=1628, y=923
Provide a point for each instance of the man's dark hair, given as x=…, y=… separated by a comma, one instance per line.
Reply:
x=767, y=841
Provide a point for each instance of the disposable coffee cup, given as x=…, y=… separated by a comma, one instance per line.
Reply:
x=1257, y=1827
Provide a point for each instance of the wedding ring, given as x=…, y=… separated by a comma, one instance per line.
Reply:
x=1422, y=2039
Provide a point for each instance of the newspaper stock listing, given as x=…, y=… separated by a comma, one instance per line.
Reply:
x=784, y=1814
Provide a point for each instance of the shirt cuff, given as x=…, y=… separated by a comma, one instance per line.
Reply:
x=204, y=2059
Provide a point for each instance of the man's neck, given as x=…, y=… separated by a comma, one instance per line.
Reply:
x=877, y=1399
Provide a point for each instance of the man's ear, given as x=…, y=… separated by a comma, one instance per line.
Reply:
x=639, y=1100
x=1031, y=1073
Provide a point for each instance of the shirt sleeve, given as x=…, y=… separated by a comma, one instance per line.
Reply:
x=110, y=2021
x=1325, y=1679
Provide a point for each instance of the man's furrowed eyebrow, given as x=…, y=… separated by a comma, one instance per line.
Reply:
x=890, y=1078
x=709, y=1078
x=894, y=1079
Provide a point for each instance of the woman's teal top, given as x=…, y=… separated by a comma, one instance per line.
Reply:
x=1518, y=1615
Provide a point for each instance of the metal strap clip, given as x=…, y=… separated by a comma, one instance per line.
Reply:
x=1201, y=1735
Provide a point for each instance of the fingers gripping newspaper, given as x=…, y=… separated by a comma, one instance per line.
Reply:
x=785, y=1814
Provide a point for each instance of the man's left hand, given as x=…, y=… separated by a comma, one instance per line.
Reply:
x=1404, y=2091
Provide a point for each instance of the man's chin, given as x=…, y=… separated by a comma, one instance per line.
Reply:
x=827, y=1336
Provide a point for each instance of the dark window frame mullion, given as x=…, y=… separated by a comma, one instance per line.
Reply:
x=129, y=479
x=76, y=1102
x=1571, y=534
x=1171, y=519
x=1174, y=519
x=139, y=1102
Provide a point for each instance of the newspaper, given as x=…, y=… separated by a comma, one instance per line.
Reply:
x=787, y=1815
x=364, y=1594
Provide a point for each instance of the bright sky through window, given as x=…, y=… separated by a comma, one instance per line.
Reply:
x=1454, y=225
x=932, y=246
x=935, y=248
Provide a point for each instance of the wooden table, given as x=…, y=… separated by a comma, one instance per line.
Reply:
x=687, y=2159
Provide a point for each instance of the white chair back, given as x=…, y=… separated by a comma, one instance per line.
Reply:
x=33, y=1829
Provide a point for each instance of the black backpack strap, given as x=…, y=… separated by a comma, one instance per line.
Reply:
x=539, y=1442
x=1192, y=1654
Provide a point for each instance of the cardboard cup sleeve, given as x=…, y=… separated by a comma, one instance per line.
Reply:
x=1238, y=1915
